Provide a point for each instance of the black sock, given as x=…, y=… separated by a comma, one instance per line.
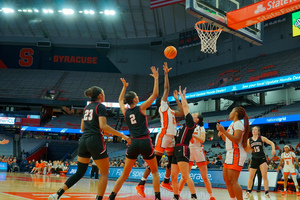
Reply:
x=99, y=197
x=194, y=196
x=142, y=182
x=167, y=180
x=60, y=192
x=176, y=196
x=267, y=192
x=157, y=195
x=249, y=191
x=112, y=196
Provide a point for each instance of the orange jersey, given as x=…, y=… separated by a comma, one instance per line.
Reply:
x=194, y=143
x=167, y=118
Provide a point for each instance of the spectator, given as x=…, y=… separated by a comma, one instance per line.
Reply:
x=281, y=141
x=219, y=163
x=213, y=145
x=48, y=167
x=297, y=152
x=220, y=156
x=213, y=161
x=207, y=160
x=218, y=145
x=35, y=168
x=60, y=167
x=24, y=165
x=15, y=166
x=69, y=157
x=275, y=158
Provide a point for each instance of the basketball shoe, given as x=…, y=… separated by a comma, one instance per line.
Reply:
x=140, y=190
x=53, y=197
x=284, y=193
x=166, y=186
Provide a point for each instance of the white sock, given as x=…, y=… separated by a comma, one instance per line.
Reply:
x=211, y=194
x=143, y=179
x=285, y=189
x=233, y=198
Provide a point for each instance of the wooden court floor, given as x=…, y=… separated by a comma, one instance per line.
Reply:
x=38, y=187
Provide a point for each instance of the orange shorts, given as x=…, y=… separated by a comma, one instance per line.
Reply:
x=235, y=159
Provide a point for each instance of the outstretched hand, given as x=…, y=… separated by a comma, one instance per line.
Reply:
x=4, y=141
x=154, y=72
x=125, y=84
x=175, y=94
x=165, y=67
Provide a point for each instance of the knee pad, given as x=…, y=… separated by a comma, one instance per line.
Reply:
x=81, y=169
x=169, y=162
x=158, y=159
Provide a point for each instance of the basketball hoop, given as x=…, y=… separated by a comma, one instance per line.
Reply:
x=208, y=34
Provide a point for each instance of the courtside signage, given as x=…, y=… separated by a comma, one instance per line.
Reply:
x=296, y=23
x=7, y=120
x=259, y=12
x=268, y=120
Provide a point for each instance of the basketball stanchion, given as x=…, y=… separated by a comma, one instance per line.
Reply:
x=208, y=34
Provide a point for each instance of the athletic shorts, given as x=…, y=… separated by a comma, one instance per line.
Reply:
x=164, y=143
x=256, y=162
x=92, y=146
x=197, y=155
x=235, y=159
x=141, y=146
x=289, y=169
x=181, y=154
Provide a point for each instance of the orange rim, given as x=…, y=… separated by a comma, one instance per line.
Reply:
x=202, y=22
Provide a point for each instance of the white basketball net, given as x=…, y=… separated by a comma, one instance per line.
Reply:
x=208, y=35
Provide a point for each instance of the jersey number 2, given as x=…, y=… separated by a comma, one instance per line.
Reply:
x=88, y=115
x=132, y=119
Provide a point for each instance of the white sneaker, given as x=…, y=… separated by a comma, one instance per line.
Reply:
x=247, y=195
x=267, y=196
x=193, y=198
x=53, y=197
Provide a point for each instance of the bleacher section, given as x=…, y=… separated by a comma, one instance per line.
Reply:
x=291, y=109
x=30, y=145
x=58, y=149
x=29, y=83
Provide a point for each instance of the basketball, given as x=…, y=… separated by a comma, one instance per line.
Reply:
x=170, y=52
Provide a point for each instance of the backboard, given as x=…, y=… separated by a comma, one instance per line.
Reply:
x=214, y=11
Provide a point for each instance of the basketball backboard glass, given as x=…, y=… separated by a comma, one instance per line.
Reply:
x=214, y=11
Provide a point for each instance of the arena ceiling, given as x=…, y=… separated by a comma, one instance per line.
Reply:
x=133, y=19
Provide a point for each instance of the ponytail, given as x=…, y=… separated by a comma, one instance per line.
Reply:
x=200, y=122
x=246, y=132
x=243, y=115
x=157, y=104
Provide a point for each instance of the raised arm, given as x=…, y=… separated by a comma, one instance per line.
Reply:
x=178, y=113
x=166, y=85
x=185, y=105
x=236, y=137
x=122, y=94
x=154, y=95
x=106, y=128
x=266, y=140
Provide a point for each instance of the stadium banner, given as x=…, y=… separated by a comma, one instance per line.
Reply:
x=7, y=120
x=215, y=176
x=239, y=87
x=3, y=167
x=296, y=23
x=268, y=120
x=56, y=58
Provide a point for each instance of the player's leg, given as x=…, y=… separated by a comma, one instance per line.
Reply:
x=286, y=177
x=294, y=177
x=174, y=176
x=182, y=182
x=103, y=166
x=227, y=181
x=125, y=174
x=264, y=173
x=166, y=184
x=184, y=170
x=156, y=181
x=233, y=176
x=204, y=175
x=252, y=172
